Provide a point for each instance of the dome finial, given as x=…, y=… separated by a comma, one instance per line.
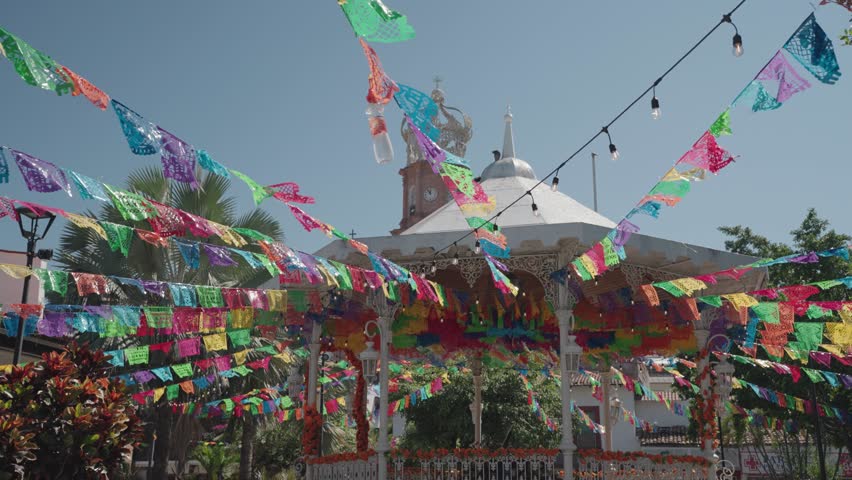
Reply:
x=508, y=136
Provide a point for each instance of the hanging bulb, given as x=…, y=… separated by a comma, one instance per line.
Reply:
x=655, y=108
x=477, y=248
x=738, y=45
x=535, y=210
x=456, y=259
x=554, y=186
x=613, y=152
x=434, y=267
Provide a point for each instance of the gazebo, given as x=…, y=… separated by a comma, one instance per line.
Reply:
x=604, y=319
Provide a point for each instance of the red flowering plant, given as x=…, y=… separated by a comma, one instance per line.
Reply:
x=633, y=456
x=61, y=418
x=342, y=457
x=362, y=442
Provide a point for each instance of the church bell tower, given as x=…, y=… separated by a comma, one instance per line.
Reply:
x=423, y=191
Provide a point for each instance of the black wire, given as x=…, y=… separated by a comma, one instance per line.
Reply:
x=606, y=127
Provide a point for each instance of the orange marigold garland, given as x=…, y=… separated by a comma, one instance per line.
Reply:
x=311, y=431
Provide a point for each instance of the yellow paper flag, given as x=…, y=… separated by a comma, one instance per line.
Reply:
x=215, y=342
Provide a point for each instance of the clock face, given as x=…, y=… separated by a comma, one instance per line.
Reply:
x=430, y=194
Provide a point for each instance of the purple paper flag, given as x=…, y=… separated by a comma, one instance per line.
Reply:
x=53, y=324
x=143, y=376
x=219, y=256
x=41, y=176
x=624, y=230
x=178, y=159
x=789, y=82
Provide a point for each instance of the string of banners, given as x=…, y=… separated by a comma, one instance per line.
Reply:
x=167, y=221
x=774, y=85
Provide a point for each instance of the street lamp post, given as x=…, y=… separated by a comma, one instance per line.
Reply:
x=369, y=359
x=569, y=364
x=724, y=385
x=32, y=235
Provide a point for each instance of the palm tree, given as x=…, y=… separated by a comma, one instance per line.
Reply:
x=82, y=250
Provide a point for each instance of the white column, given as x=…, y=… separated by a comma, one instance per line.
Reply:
x=476, y=406
x=383, y=445
x=567, y=445
x=606, y=385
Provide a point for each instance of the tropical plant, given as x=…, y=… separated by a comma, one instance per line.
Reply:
x=61, y=418
x=82, y=250
x=218, y=460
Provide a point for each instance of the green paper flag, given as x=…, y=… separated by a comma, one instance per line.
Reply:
x=270, y=267
x=815, y=311
x=172, y=391
x=53, y=280
x=136, y=355
x=813, y=375
x=344, y=278
x=258, y=192
x=253, y=234
x=242, y=370
x=158, y=317
x=240, y=338
x=676, y=188
x=118, y=236
x=182, y=370
x=671, y=288
x=722, y=125
x=767, y=312
x=210, y=296
x=712, y=300
x=375, y=22
x=809, y=334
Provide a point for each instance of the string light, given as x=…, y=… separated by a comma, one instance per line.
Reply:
x=613, y=152
x=738, y=39
x=456, y=255
x=534, y=206
x=738, y=50
x=434, y=267
x=477, y=248
x=655, y=102
x=554, y=185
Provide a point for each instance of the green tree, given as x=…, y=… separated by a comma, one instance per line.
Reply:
x=59, y=418
x=279, y=447
x=82, y=250
x=444, y=420
x=814, y=234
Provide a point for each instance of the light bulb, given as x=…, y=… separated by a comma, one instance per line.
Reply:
x=555, y=185
x=456, y=259
x=434, y=267
x=738, y=45
x=535, y=210
x=477, y=248
x=613, y=152
x=655, y=108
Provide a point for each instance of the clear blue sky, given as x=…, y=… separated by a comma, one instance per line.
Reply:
x=276, y=89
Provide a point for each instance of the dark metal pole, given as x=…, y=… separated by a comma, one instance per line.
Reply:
x=19, y=346
x=721, y=438
x=323, y=358
x=151, y=457
x=820, y=451
x=595, y=180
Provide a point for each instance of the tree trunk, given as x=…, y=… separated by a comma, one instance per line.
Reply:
x=247, y=447
x=162, y=447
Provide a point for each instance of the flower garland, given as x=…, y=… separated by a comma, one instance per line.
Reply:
x=632, y=456
x=473, y=453
x=342, y=457
x=311, y=431
x=704, y=412
x=362, y=442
